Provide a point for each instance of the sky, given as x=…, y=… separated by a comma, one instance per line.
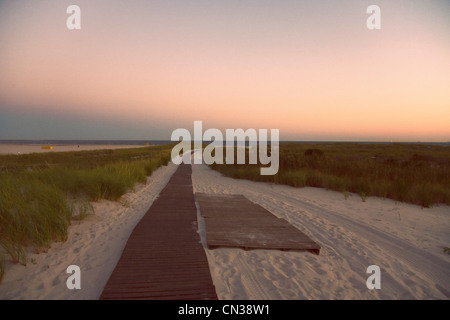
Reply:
x=139, y=69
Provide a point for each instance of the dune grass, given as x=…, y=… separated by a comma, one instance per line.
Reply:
x=412, y=173
x=32, y=212
x=40, y=194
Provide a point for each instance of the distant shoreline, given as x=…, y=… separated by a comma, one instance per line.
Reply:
x=162, y=142
x=19, y=149
x=82, y=142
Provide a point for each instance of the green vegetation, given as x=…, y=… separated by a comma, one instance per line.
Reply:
x=413, y=173
x=41, y=193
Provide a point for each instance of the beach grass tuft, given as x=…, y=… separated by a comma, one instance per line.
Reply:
x=40, y=194
x=32, y=212
x=406, y=172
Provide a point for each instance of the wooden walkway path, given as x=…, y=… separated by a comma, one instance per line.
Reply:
x=234, y=221
x=164, y=257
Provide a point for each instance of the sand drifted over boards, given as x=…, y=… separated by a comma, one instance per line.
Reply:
x=231, y=220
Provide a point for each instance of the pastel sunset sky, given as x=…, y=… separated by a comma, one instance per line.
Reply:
x=138, y=69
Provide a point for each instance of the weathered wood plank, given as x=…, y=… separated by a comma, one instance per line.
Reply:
x=234, y=221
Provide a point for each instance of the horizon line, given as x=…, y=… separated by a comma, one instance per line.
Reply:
x=224, y=141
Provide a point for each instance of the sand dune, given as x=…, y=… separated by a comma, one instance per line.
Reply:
x=405, y=241
x=94, y=244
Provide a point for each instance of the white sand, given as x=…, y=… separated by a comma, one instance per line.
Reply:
x=94, y=244
x=404, y=240
x=6, y=148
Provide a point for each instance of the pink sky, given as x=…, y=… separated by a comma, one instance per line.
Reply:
x=311, y=69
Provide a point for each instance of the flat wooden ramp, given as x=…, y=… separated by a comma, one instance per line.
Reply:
x=164, y=257
x=231, y=220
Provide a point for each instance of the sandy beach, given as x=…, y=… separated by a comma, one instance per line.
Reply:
x=94, y=244
x=7, y=148
x=406, y=241
x=337, y=113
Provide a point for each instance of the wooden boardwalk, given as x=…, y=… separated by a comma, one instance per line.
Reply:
x=232, y=220
x=164, y=257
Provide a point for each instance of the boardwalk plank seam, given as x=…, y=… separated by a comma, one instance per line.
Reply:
x=164, y=257
x=231, y=220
